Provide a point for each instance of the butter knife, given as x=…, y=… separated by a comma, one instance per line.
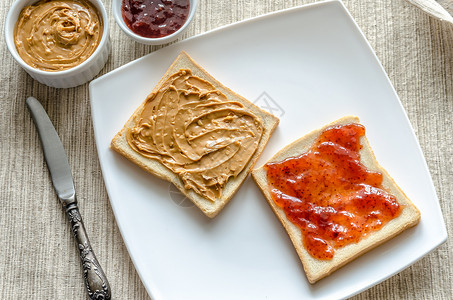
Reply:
x=96, y=282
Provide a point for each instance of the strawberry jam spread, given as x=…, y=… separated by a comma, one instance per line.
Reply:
x=329, y=194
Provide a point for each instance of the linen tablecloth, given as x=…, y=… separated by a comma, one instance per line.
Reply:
x=38, y=257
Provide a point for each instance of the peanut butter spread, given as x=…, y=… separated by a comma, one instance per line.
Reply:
x=57, y=35
x=197, y=132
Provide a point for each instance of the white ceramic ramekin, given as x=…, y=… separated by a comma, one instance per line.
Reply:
x=151, y=41
x=68, y=78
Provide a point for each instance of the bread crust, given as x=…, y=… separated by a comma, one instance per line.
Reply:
x=209, y=208
x=317, y=269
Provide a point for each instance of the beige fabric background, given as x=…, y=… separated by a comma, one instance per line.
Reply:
x=38, y=257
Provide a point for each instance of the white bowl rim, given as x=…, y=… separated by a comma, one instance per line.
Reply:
x=11, y=20
x=162, y=40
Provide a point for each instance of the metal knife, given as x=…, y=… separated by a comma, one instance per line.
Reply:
x=95, y=280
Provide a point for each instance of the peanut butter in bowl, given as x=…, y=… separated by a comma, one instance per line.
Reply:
x=57, y=35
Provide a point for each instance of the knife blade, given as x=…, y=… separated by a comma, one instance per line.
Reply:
x=96, y=282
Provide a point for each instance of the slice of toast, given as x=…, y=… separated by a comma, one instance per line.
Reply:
x=317, y=269
x=208, y=207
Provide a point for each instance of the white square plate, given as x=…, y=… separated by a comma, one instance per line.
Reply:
x=309, y=65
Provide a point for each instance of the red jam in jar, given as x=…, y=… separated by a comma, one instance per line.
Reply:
x=329, y=194
x=155, y=18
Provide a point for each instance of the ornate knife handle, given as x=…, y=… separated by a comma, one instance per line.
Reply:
x=96, y=283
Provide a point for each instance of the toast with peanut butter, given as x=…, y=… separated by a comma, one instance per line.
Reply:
x=333, y=198
x=196, y=133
